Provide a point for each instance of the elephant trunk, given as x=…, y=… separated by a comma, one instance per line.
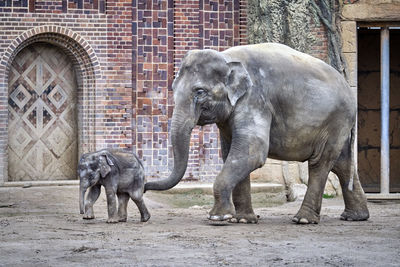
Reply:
x=182, y=127
x=82, y=192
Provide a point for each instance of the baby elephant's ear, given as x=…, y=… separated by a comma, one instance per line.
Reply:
x=238, y=81
x=105, y=165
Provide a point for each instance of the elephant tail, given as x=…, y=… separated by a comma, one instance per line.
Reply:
x=353, y=170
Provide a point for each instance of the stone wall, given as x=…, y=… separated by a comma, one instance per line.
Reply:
x=293, y=23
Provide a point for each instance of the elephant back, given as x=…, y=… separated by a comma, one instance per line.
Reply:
x=126, y=159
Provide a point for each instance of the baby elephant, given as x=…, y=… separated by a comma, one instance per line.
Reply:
x=121, y=174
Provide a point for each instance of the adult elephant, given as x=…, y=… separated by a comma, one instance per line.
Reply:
x=267, y=100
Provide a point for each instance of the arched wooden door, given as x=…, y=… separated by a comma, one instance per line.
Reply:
x=42, y=128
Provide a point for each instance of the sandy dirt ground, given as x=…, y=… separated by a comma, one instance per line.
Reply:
x=41, y=226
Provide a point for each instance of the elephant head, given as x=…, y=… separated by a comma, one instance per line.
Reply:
x=207, y=88
x=91, y=168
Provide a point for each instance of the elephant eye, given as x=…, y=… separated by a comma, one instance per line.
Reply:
x=200, y=92
x=93, y=166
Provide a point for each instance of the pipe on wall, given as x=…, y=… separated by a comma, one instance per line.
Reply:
x=385, y=78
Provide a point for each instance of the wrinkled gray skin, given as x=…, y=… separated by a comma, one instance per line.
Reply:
x=121, y=174
x=267, y=100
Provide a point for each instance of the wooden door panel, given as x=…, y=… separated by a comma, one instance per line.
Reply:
x=42, y=115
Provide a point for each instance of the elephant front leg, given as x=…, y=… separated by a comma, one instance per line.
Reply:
x=241, y=196
x=234, y=172
x=123, y=199
x=91, y=198
x=223, y=207
x=111, y=206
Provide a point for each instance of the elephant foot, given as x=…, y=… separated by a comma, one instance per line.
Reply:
x=122, y=219
x=88, y=217
x=221, y=214
x=220, y=217
x=354, y=215
x=306, y=216
x=112, y=220
x=244, y=218
x=145, y=218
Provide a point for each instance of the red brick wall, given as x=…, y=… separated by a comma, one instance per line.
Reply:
x=14, y=6
x=163, y=31
x=187, y=34
x=320, y=48
x=152, y=23
x=94, y=39
x=114, y=126
x=134, y=47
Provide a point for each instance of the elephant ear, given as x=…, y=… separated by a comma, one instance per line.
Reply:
x=105, y=165
x=238, y=81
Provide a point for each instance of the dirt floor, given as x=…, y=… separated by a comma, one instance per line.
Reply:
x=41, y=226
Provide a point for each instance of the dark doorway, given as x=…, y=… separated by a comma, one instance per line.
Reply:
x=369, y=109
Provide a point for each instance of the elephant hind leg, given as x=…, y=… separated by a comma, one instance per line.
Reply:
x=354, y=198
x=311, y=206
x=319, y=167
x=241, y=197
x=137, y=197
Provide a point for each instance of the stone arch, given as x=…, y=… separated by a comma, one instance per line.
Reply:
x=85, y=62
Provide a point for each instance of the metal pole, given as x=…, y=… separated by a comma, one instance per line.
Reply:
x=385, y=76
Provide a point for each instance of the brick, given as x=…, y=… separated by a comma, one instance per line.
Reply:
x=86, y=31
x=128, y=57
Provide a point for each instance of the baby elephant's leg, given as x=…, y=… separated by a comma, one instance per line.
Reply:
x=91, y=198
x=112, y=206
x=137, y=197
x=123, y=199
